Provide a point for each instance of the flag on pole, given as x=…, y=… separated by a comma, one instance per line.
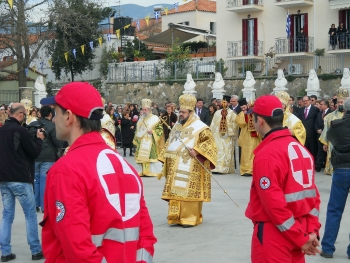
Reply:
x=91, y=45
x=10, y=3
x=66, y=56
x=288, y=25
x=166, y=10
x=176, y=5
x=147, y=20
x=100, y=41
x=74, y=51
x=156, y=15
x=109, y=37
x=26, y=71
x=50, y=63
x=138, y=24
x=41, y=65
x=117, y=32
x=82, y=47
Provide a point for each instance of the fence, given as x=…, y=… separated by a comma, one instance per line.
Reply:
x=8, y=96
x=206, y=68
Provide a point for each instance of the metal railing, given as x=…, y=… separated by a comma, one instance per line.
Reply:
x=239, y=3
x=245, y=48
x=8, y=96
x=339, y=41
x=286, y=45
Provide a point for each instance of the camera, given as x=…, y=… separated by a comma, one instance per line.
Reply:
x=33, y=129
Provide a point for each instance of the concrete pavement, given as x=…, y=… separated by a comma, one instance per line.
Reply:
x=224, y=236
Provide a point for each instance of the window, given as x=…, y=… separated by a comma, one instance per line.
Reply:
x=186, y=23
x=213, y=27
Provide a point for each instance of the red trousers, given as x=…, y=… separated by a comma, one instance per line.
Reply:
x=270, y=246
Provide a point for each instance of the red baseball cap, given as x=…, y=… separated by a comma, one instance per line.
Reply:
x=268, y=105
x=79, y=97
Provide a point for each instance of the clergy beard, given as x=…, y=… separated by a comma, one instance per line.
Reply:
x=183, y=121
x=145, y=115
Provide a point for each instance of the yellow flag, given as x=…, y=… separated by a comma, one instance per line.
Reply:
x=127, y=26
x=66, y=56
x=82, y=49
x=147, y=20
x=117, y=32
x=166, y=11
x=34, y=68
x=10, y=3
x=100, y=41
x=50, y=63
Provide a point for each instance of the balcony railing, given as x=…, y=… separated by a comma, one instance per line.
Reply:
x=244, y=48
x=285, y=45
x=339, y=42
x=240, y=3
x=294, y=3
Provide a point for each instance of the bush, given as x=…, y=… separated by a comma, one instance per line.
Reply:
x=329, y=76
x=290, y=78
x=247, y=67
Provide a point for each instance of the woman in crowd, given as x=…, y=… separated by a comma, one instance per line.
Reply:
x=155, y=109
x=212, y=109
x=332, y=32
x=133, y=111
x=127, y=131
x=170, y=119
x=341, y=32
x=32, y=116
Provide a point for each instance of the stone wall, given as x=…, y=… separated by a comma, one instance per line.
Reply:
x=160, y=92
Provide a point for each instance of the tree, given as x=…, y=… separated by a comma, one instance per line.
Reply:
x=177, y=58
x=21, y=36
x=137, y=45
x=75, y=23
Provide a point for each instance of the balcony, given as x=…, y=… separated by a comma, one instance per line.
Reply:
x=339, y=44
x=245, y=49
x=339, y=4
x=294, y=46
x=294, y=3
x=242, y=6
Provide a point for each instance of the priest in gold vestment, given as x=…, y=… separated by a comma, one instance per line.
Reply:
x=342, y=94
x=291, y=121
x=248, y=138
x=147, y=136
x=224, y=129
x=187, y=183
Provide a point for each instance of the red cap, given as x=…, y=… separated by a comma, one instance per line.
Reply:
x=268, y=105
x=79, y=97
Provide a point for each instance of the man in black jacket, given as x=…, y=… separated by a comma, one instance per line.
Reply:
x=339, y=136
x=319, y=125
x=47, y=157
x=18, y=150
x=308, y=115
x=202, y=112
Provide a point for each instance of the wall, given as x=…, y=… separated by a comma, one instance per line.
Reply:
x=160, y=92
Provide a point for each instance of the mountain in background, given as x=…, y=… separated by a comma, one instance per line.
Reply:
x=137, y=11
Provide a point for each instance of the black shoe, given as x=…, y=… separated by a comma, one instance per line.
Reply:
x=8, y=257
x=322, y=254
x=187, y=226
x=38, y=209
x=246, y=175
x=318, y=170
x=38, y=256
x=124, y=155
x=131, y=154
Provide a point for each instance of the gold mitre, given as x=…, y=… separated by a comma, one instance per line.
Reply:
x=187, y=101
x=284, y=97
x=146, y=103
x=27, y=104
x=342, y=93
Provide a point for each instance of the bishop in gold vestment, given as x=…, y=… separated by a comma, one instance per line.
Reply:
x=224, y=129
x=147, y=136
x=342, y=94
x=187, y=183
x=248, y=138
x=291, y=121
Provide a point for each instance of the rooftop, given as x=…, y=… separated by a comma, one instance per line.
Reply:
x=199, y=5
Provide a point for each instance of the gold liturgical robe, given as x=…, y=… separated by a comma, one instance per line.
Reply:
x=187, y=183
x=225, y=143
x=335, y=115
x=248, y=140
x=147, y=150
x=295, y=126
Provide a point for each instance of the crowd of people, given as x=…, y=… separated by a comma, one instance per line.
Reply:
x=184, y=143
x=338, y=37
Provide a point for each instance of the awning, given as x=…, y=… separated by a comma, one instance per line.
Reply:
x=339, y=4
x=183, y=33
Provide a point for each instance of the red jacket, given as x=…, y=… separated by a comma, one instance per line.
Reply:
x=94, y=208
x=283, y=187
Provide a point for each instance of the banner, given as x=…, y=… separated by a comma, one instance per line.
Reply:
x=66, y=56
x=166, y=10
x=127, y=26
x=100, y=41
x=176, y=5
x=138, y=24
x=117, y=32
x=91, y=45
x=10, y=3
x=50, y=63
x=82, y=47
x=156, y=15
x=147, y=20
x=109, y=37
x=41, y=65
x=26, y=71
x=34, y=68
